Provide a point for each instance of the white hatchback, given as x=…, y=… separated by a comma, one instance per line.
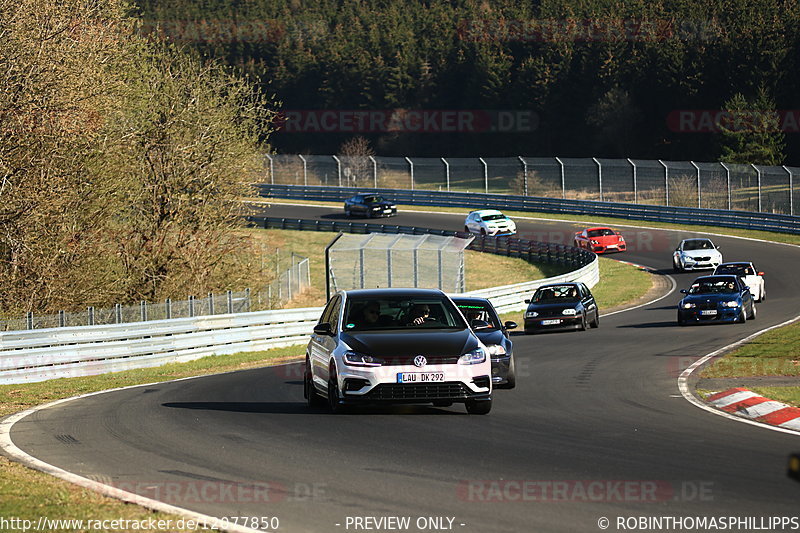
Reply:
x=396, y=346
x=489, y=222
x=749, y=273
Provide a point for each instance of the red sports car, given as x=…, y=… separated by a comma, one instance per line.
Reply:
x=600, y=240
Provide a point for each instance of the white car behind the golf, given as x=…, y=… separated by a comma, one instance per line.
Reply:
x=489, y=222
x=696, y=254
x=749, y=273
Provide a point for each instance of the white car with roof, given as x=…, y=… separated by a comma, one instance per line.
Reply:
x=696, y=254
x=489, y=222
x=749, y=273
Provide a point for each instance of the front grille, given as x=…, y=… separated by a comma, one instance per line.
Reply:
x=409, y=360
x=419, y=391
x=701, y=259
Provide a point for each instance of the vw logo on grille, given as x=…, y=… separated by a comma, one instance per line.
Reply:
x=420, y=361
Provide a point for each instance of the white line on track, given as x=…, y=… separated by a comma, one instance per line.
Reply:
x=11, y=449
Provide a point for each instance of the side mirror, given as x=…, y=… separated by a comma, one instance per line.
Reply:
x=479, y=324
x=527, y=301
x=510, y=324
x=323, y=329
x=684, y=291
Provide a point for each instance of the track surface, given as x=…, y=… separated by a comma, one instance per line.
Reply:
x=591, y=409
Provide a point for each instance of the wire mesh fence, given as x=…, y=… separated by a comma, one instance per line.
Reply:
x=655, y=182
x=286, y=286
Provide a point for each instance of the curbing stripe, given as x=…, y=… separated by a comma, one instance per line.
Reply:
x=734, y=398
x=776, y=418
x=722, y=394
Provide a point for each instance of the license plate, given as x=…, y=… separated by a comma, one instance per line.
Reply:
x=420, y=377
x=550, y=322
x=708, y=312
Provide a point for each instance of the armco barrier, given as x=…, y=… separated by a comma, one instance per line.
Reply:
x=38, y=355
x=677, y=215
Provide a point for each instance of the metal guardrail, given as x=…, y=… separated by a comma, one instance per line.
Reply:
x=38, y=355
x=678, y=215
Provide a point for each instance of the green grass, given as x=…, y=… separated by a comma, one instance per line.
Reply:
x=774, y=353
x=787, y=395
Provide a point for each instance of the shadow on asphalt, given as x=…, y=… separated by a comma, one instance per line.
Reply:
x=300, y=408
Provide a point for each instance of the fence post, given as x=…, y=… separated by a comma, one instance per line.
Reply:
x=758, y=173
x=446, y=173
x=191, y=306
x=143, y=310
x=90, y=316
x=247, y=299
x=524, y=175
x=211, y=303
x=666, y=183
x=271, y=171
x=305, y=170
x=168, y=308
x=62, y=321
x=698, y=183
x=563, y=181
x=118, y=313
x=635, y=188
x=29, y=320
x=338, y=169
x=374, y=171
x=229, y=296
x=411, y=168
x=485, y=175
x=728, y=178
x=599, y=177
x=791, y=190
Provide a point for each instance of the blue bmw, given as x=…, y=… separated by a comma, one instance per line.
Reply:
x=714, y=299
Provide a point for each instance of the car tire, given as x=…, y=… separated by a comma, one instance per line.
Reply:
x=333, y=392
x=313, y=399
x=582, y=326
x=483, y=232
x=442, y=403
x=479, y=407
x=676, y=267
x=752, y=311
x=742, y=317
x=762, y=295
x=511, y=377
x=596, y=322
x=347, y=212
x=466, y=229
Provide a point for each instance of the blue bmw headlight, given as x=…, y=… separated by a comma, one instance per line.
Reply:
x=732, y=303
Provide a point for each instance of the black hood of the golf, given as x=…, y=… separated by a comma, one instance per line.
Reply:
x=432, y=343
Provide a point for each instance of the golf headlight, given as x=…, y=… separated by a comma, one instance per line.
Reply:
x=732, y=303
x=688, y=305
x=496, y=349
x=531, y=314
x=476, y=356
x=352, y=358
x=569, y=312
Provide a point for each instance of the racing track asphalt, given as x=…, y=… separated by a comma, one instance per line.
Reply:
x=596, y=416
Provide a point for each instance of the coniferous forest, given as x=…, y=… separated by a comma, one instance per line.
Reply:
x=625, y=78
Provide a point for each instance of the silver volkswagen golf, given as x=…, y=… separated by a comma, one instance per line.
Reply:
x=396, y=346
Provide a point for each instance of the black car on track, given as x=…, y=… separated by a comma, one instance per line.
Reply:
x=369, y=205
x=561, y=306
x=494, y=335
